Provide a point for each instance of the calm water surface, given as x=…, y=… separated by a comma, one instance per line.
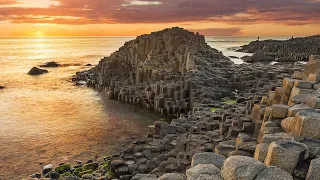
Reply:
x=46, y=119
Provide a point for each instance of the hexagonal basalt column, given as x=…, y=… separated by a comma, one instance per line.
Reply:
x=286, y=154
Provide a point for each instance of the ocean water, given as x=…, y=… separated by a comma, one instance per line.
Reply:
x=228, y=45
x=46, y=119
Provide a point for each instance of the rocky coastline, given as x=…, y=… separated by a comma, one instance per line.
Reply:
x=292, y=50
x=250, y=121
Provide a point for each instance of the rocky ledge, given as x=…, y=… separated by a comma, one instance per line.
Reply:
x=296, y=49
x=250, y=121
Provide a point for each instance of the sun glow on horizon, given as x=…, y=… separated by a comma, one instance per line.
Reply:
x=37, y=33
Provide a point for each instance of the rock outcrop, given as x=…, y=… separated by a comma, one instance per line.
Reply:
x=37, y=71
x=296, y=49
x=50, y=64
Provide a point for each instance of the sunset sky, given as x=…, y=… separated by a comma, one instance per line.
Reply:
x=135, y=17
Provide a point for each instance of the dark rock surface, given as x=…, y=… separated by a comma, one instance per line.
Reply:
x=37, y=71
x=50, y=64
x=296, y=49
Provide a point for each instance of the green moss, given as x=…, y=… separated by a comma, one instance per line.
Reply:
x=104, y=166
x=229, y=101
x=77, y=171
x=63, y=168
x=66, y=174
x=214, y=109
x=107, y=158
x=110, y=174
x=86, y=172
x=90, y=166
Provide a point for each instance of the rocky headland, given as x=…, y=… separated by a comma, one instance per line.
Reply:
x=250, y=121
x=296, y=49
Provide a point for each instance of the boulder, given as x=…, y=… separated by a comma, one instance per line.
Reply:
x=207, y=158
x=273, y=173
x=47, y=168
x=241, y=167
x=307, y=124
x=37, y=71
x=208, y=169
x=63, y=168
x=144, y=177
x=286, y=154
x=172, y=176
x=225, y=147
x=245, y=58
x=260, y=56
x=314, y=170
x=206, y=177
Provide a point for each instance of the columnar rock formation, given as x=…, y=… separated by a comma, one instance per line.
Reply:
x=167, y=70
x=297, y=49
x=174, y=70
x=269, y=132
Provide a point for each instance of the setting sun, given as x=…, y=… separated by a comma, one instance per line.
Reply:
x=38, y=33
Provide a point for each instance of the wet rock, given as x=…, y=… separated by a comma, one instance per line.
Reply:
x=47, y=168
x=37, y=71
x=50, y=64
x=54, y=175
x=63, y=168
x=260, y=57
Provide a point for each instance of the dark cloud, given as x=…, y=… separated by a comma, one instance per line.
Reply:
x=291, y=12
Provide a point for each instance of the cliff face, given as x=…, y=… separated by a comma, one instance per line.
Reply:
x=297, y=49
x=167, y=70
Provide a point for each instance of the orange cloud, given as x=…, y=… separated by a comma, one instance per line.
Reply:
x=231, y=13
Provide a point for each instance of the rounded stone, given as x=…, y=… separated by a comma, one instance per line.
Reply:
x=241, y=167
x=208, y=158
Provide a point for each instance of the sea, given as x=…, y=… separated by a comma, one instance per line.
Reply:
x=48, y=120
